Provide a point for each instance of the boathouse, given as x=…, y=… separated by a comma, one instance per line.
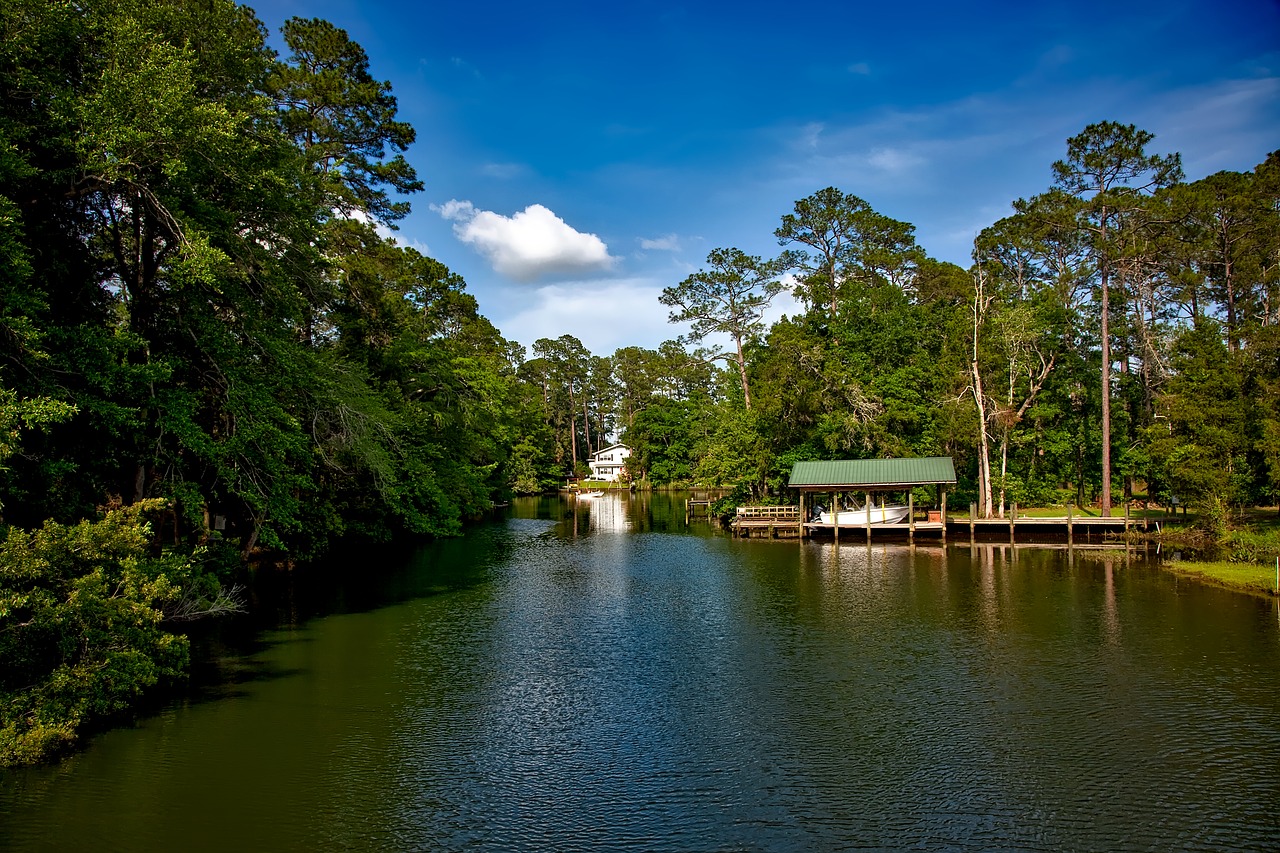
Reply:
x=869, y=477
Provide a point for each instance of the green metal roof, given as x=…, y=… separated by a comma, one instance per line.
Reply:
x=873, y=473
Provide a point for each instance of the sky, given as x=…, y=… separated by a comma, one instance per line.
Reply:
x=579, y=157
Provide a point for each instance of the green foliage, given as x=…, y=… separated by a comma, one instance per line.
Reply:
x=1202, y=439
x=81, y=633
x=1260, y=547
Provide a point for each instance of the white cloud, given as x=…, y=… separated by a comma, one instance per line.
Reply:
x=532, y=244
x=607, y=314
x=666, y=243
x=604, y=315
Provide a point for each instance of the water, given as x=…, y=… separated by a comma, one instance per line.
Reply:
x=606, y=679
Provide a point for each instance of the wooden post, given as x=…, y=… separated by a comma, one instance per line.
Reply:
x=802, y=515
x=973, y=515
x=911, y=517
x=835, y=515
x=1013, y=513
x=942, y=514
x=868, y=517
x=1126, y=521
x=1070, y=525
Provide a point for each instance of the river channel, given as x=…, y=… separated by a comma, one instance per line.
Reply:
x=606, y=677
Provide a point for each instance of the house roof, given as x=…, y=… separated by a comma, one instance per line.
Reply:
x=873, y=473
x=610, y=447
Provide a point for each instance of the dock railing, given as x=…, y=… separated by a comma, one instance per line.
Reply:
x=771, y=521
x=774, y=513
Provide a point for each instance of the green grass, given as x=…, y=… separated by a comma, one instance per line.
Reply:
x=1247, y=576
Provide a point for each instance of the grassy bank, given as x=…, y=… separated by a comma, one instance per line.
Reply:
x=1250, y=577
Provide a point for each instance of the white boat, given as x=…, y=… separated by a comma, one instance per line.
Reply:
x=891, y=514
x=590, y=494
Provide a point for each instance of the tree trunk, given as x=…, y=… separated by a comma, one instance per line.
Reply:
x=742, y=372
x=979, y=398
x=1106, y=373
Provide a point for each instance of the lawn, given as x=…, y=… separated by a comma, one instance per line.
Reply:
x=1247, y=576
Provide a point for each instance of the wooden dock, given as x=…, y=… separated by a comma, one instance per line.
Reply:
x=698, y=504
x=783, y=522
x=774, y=522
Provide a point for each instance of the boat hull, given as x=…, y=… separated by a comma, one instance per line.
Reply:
x=858, y=517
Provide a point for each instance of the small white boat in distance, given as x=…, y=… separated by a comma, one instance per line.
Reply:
x=858, y=517
x=590, y=494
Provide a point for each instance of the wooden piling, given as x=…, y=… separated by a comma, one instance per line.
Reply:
x=973, y=517
x=942, y=499
x=1070, y=524
x=1013, y=513
x=867, y=518
x=911, y=517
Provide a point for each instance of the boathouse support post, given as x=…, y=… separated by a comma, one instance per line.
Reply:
x=942, y=513
x=911, y=517
x=802, y=515
x=868, y=518
x=835, y=516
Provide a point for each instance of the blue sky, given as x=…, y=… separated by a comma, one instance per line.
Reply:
x=579, y=157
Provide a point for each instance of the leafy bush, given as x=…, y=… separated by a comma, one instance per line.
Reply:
x=1211, y=517
x=81, y=636
x=1248, y=546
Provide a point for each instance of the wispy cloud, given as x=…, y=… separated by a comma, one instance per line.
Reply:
x=503, y=171
x=666, y=243
x=532, y=244
x=603, y=314
x=860, y=68
x=465, y=67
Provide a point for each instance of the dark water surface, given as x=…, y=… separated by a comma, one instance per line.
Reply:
x=607, y=680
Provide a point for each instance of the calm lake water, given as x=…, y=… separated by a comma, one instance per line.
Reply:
x=607, y=679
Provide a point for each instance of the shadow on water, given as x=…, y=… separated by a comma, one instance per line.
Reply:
x=230, y=654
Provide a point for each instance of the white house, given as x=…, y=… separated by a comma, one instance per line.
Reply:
x=607, y=463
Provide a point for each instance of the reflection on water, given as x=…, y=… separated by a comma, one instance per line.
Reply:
x=601, y=677
x=606, y=514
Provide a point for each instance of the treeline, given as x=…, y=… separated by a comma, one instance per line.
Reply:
x=205, y=331
x=1117, y=334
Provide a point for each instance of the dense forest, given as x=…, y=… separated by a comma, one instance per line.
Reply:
x=210, y=350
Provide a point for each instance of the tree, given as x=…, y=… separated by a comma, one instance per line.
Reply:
x=1199, y=442
x=343, y=120
x=851, y=243
x=568, y=365
x=1108, y=170
x=730, y=298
